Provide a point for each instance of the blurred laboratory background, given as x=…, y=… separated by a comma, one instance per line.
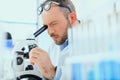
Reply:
x=94, y=47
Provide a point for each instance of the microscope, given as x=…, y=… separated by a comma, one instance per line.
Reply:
x=21, y=66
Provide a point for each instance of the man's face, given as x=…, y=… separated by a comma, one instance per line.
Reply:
x=57, y=24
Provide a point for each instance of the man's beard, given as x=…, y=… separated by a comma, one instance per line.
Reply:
x=64, y=37
x=61, y=39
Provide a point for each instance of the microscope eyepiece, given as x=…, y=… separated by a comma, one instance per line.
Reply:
x=39, y=31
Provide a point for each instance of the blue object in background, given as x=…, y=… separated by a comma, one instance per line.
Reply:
x=114, y=70
x=8, y=40
x=9, y=43
x=91, y=75
x=101, y=70
x=76, y=71
x=109, y=70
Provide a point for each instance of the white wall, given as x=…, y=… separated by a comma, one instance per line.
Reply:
x=18, y=17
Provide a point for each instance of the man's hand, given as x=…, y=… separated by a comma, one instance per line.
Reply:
x=41, y=59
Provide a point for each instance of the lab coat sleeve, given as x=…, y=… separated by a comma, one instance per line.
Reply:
x=58, y=74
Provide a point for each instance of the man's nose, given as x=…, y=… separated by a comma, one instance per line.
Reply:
x=50, y=31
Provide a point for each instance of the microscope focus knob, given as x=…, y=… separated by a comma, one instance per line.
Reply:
x=29, y=67
x=19, y=60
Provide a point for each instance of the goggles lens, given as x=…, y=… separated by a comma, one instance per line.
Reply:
x=47, y=6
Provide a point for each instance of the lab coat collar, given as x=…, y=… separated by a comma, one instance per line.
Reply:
x=62, y=46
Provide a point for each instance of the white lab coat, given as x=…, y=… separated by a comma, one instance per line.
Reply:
x=58, y=57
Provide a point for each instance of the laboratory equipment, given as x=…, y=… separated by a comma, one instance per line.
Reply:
x=21, y=65
x=94, y=46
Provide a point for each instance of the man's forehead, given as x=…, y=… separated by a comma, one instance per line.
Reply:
x=50, y=20
x=53, y=9
x=53, y=12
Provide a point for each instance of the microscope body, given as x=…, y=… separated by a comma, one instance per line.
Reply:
x=21, y=65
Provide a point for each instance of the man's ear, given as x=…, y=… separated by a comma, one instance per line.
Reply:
x=72, y=18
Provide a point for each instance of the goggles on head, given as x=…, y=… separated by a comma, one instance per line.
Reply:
x=47, y=6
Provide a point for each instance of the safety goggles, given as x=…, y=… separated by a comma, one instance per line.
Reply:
x=47, y=6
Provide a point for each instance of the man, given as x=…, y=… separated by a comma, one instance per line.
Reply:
x=58, y=15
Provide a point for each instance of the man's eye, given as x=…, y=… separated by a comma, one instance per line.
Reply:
x=54, y=23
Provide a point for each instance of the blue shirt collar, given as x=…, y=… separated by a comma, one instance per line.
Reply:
x=62, y=46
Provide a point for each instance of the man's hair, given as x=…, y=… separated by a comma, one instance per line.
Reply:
x=65, y=2
x=65, y=11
